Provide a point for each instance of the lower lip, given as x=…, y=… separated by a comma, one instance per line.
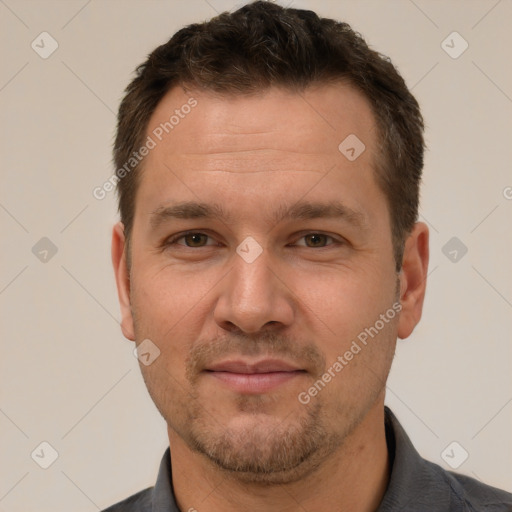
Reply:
x=255, y=382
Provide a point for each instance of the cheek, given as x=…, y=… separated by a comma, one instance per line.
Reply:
x=166, y=297
x=165, y=310
x=342, y=301
x=346, y=307
x=357, y=368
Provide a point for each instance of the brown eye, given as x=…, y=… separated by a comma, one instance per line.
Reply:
x=316, y=240
x=195, y=239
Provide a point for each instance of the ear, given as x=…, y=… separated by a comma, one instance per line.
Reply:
x=122, y=280
x=413, y=279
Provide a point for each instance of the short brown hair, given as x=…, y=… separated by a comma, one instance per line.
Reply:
x=262, y=45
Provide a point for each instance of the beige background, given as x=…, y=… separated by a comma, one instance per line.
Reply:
x=69, y=378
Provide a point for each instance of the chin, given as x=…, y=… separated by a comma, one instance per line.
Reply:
x=261, y=448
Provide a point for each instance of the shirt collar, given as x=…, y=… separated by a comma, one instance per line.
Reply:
x=415, y=483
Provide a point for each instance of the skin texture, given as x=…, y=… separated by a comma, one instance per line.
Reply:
x=303, y=300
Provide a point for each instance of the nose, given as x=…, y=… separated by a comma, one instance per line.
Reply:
x=254, y=297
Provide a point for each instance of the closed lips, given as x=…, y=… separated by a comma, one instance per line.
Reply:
x=244, y=367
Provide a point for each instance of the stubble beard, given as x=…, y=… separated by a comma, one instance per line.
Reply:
x=268, y=451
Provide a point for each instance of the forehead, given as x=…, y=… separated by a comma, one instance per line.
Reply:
x=262, y=149
x=273, y=123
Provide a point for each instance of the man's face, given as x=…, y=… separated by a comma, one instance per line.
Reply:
x=244, y=334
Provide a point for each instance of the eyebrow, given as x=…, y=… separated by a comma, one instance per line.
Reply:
x=302, y=210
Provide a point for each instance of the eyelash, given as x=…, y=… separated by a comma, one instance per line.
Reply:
x=172, y=240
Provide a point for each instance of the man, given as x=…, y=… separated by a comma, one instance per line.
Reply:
x=267, y=259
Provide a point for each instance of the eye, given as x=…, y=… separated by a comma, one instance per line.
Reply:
x=191, y=239
x=196, y=239
x=314, y=240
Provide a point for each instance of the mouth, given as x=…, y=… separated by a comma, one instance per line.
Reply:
x=254, y=377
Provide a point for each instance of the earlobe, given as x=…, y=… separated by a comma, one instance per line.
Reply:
x=122, y=280
x=413, y=277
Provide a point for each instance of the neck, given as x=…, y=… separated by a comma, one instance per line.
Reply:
x=354, y=477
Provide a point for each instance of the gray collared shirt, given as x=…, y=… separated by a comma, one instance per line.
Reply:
x=416, y=485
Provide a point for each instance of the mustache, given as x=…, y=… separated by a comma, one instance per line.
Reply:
x=304, y=354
